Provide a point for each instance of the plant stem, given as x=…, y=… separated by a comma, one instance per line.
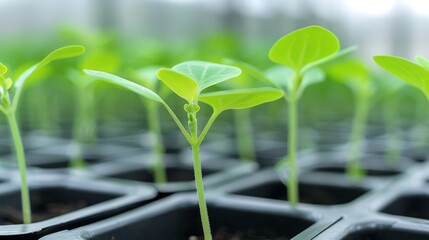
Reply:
x=293, y=197
x=244, y=135
x=354, y=169
x=156, y=141
x=198, y=174
x=25, y=193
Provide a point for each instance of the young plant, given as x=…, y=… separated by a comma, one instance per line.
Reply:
x=301, y=51
x=188, y=80
x=9, y=105
x=356, y=75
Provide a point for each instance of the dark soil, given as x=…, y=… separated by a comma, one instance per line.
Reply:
x=40, y=211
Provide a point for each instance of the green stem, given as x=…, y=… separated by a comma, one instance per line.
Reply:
x=198, y=174
x=25, y=193
x=244, y=136
x=177, y=121
x=156, y=141
x=293, y=197
x=354, y=169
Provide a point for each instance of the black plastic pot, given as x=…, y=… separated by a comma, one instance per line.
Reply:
x=179, y=168
x=177, y=218
x=64, y=202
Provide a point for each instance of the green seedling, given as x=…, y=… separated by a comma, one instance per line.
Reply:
x=188, y=80
x=356, y=75
x=300, y=51
x=10, y=93
x=414, y=74
x=84, y=123
x=147, y=77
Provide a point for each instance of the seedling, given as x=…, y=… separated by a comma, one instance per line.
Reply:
x=301, y=51
x=9, y=105
x=188, y=80
x=356, y=75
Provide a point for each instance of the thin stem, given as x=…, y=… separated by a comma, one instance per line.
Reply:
x=244, y=136
x=179, y=124
x=198, y=174
x=354, y=169
x=25, y=193
x=293, y=197
x=156, y=141
x=209, y=123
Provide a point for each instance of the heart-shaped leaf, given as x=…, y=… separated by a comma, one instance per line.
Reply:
x=206, y=74
x=409, y=72
x=180, y=84
x=240, y=99
x=304, y=46
x=423, y=62
x=60, y=53
x=3, y=69
x=127, y=84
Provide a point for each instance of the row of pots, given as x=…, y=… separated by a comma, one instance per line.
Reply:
x=243, y=200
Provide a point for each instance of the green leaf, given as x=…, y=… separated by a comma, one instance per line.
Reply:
x=423, y=62
x=409, y=72
x=180, y=84
x=60, y=53
x=206, y=74
x=3, y=69
x=127, y=84
x=304, y=46
x=240, y=99
x=147, y=77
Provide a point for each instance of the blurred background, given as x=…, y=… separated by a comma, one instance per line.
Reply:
x=139, y=33
x=376, y=26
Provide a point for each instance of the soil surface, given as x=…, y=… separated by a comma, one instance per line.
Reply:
x=40, y=211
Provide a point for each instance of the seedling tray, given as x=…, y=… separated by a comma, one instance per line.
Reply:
x=79, y=200
x=180, y=175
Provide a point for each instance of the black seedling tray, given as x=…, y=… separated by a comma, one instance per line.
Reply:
x=64, y=202
x=180, y=175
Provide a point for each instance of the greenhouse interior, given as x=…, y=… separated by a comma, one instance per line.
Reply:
x=214, y=120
